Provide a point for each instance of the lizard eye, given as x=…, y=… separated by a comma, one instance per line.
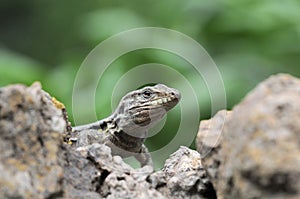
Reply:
x=147, y=94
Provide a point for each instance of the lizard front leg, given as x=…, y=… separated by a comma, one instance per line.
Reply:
x=144, y=157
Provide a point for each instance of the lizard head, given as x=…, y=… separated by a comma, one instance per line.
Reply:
x=143, y=108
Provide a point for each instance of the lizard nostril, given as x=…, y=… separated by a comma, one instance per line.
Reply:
x=175, y=94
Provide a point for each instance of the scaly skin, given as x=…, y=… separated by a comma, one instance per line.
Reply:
x=126, y=128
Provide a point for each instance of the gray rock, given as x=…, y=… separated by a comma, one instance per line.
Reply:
x=30, y=140
x=258, y=155
x=183, y=176
x=209, y=142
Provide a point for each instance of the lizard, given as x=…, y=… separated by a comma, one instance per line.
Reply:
x=125, y=130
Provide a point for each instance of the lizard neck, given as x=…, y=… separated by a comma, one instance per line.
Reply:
x=126, y=141
x=129, y=139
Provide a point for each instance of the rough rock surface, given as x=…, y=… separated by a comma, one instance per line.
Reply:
x=35, y=162
x=209, y=142
x=30, y=131
x=183, y=176
x=256, y=154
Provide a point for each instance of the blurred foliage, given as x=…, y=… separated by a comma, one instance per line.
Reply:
x=47, y=41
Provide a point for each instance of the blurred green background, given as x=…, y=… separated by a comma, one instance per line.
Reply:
x=47, y=41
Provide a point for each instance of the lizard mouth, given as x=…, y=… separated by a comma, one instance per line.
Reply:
x=171, y=104
x=167, y=102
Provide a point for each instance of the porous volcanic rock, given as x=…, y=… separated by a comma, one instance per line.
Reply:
x=256, y=148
